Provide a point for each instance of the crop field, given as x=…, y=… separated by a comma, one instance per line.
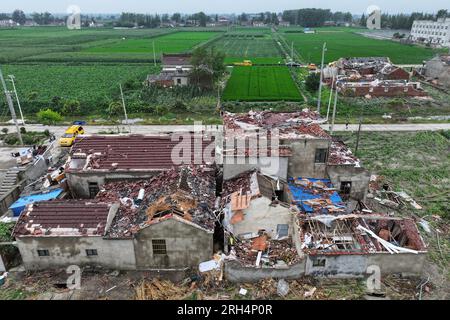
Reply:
x=41, y=86
x=345, y=44
x=261, y=84
x=172, y=43
x=260, y=48
x=46, y=43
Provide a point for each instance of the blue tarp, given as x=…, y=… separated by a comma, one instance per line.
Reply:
x=18, y=206
x=301, y=193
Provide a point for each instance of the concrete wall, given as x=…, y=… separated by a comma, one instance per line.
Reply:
x=65, y=251
x=340, y=266
x=184, y=81
x=269, y=166
x=235, y=272
x=435, y=69
x=9, y=198
x=186, y=245
x=302, y=164
x=343, y=266
x=78, y=182
x=260, y=215
x=359, y=177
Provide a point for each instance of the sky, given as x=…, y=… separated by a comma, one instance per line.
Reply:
x=220, y=6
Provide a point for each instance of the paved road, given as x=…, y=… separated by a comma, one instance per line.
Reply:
x=153, y=129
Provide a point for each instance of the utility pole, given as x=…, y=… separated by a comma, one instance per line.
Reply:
x=334, y=110
x=11, y=106
x=11, y=78
x=321, y=76
x=331, y=99
x=154, y=54
x=359, y=130
x=292, y=50
x=124, y=108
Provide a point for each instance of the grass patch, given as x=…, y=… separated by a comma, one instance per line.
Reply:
x=261, y=84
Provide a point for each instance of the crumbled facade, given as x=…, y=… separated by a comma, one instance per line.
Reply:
x=438, y=69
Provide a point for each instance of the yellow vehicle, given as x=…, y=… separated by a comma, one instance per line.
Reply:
x=312, y=67
x=69, y=137
x=246, y=63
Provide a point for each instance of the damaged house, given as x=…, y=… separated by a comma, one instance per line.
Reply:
x=438, y=69
x=371, y=76
x=278, y=230
x=96, y=160
x=300, y=148
x=258, y=228
x=175, y=71
x=164, y=222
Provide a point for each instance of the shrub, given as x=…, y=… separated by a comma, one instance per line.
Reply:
x=48, y=116
x=312, y=82
x=23, y=130
x=5, y=130
x=71, y=107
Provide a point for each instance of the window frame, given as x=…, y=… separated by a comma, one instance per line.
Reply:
x=43, y=253
x=91, y=252
x=321, y=159
x=159, y=247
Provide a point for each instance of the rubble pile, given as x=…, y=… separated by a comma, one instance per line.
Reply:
x=161, y=290
x=185, y=192
x=274, y=253
x=269, y=119
x=341, y=154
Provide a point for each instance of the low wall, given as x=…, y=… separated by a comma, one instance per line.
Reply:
x=235, y=272
x=11, y=197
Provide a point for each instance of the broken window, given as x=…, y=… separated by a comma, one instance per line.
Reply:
x=321, y=155
x=43, y=253
x=178, y=81
x=159, y=247
x=93, y=189
x=91, y=252
x=319, y=262
x=282, y=230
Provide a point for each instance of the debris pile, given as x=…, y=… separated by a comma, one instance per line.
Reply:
x=341, y=154
x=161, y=290
x=264, y=252
x=186, y=193
x=316, y=196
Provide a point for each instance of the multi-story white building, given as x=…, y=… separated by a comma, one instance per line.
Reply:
x=433, y=32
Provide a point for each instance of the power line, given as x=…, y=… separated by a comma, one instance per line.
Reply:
x=11, y=106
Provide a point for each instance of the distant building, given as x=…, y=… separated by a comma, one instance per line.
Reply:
x=8, y=23
x=284, y=24
x=175, y=71
x=309, y=30
x=432, y=32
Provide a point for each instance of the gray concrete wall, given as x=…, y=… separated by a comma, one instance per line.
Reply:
x=302, y=163
x=235, y=272
x=406, y=263
x=340, y=266
x=186, y=245
x=9, y=198
x=343, y=266
x=65, y=251
x=78, y=182
x=359, y=177
x=275, y=167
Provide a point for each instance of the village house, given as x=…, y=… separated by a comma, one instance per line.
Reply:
x=371, y=76
x=303, y=149
x=165, y=222
x=175, y=71
x=438, y=69
x=8, y=23
x=96, y=160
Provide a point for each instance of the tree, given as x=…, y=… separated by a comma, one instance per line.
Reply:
x=443, y=13
x=208, y=66
x=363, y=21
x=202, y=19
x=312, y=82
x=48, y=116
x=19, y=17
x=71, y=107
x=176, y=17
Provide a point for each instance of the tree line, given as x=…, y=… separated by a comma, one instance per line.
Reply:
x=405, y=21
x=313, y=17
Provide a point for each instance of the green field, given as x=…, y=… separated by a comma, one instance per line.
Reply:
x=94, y=86
x=261, y=84
x=258, y=47
x=347, y=44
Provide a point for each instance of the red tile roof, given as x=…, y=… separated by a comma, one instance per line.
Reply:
x=63, y=218
x=135, y=152
x=176, y=59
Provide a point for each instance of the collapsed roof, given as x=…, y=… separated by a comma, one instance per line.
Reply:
x=359, y=234
x=186, y=194
x=315, y=196
x=139, y=152
x=64, y=218
x=340, y=154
